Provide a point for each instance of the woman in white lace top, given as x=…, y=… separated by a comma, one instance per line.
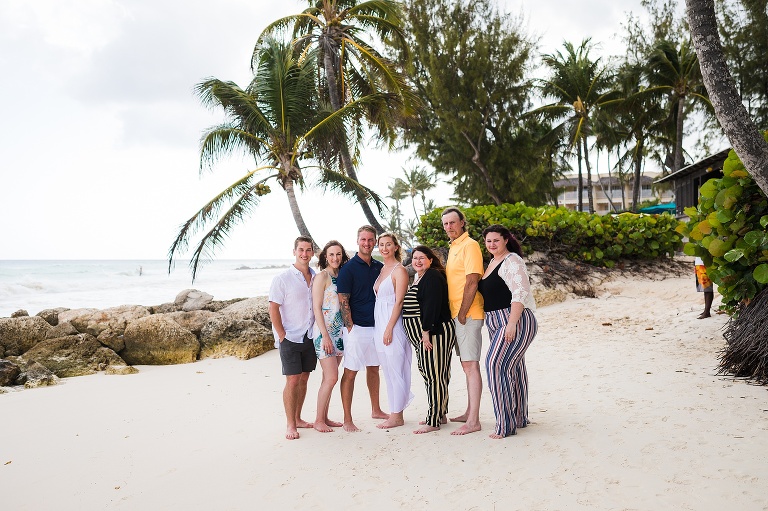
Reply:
x=509, y=308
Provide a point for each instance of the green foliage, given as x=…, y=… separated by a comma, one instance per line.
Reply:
x=728, y=231
x=594, y=239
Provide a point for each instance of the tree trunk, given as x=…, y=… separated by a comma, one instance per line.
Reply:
x=492, y=192
x=590, y=198
x=636, y=185
x=734, y=119
x=296, y=212
x=579, y=185
x=346, y=159
x=679, y=160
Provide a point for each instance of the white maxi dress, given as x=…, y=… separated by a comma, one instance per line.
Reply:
x=396, y=358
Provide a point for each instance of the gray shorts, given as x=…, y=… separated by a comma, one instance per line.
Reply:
x=469, y=339
x=297, y=357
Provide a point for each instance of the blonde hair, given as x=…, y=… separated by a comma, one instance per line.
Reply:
x=398, y=250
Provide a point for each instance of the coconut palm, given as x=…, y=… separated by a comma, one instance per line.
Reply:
x=278, y=120
x=674, y=71
x=579, y=85
x=351, y=67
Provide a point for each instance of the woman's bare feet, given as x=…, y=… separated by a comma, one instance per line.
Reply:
x=291, y=434
x=460, y=418
x=443, y=420
x=379, y=415
x=322, y=427
x=425, y=429
x=350, y=427
x=333, y=424
x=395, y=420
x=496, y=437
x=303, y=424
x=466, y=429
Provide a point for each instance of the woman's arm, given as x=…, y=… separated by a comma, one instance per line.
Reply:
x=400, y=281
x=512, y=271
x=430, y=296
x=318, y=291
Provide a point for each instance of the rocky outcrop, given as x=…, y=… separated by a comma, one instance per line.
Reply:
x=8, y=373
x=121, y=370
x=17, y=335
x=62, y=330
x=51, y=315
x=106, y=325
x=194, y=321
x=256, y=309
x=225, y=336
x=36, y=375
x=192, y=300
x=158, y=340
x=74, y=355
x=19, y=313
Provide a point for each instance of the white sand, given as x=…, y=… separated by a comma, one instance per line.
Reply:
x=626, y=416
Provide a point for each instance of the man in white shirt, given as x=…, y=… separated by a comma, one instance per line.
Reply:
x=290, y=310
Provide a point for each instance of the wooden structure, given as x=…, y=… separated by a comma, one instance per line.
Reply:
x=689, y=179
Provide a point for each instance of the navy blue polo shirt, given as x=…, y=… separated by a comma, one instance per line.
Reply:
x=356, y=278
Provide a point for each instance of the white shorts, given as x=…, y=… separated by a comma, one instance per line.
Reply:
x=359, y=348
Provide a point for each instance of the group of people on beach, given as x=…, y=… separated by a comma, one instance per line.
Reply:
x=369, y=315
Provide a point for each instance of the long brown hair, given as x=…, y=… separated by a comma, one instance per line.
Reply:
x=322, y=259
x=434, y=261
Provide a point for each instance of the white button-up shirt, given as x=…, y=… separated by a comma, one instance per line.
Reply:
x=290, y=291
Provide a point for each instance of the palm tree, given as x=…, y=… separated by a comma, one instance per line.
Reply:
x=350, y=67
x=738, y=126
x=579, y=86
x=674, y=71
x=417, y=182
x=276, y=119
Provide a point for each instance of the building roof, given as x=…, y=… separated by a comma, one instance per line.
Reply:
x=614, y=181
x=707, y=163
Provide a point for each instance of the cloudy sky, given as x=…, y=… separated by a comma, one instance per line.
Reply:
x=99, y=127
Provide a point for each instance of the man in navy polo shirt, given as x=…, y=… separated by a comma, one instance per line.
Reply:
x=357, y=302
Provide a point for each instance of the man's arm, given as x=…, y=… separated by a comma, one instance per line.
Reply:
x=470, y=290
x=276, y=319
x=346, y=312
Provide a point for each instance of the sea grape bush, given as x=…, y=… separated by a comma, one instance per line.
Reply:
x=594, y=239
x=727, y=229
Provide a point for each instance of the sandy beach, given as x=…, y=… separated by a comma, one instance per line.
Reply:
x=627, y=414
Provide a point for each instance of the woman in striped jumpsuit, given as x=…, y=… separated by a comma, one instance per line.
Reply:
x=509, y=307
x=427, y=321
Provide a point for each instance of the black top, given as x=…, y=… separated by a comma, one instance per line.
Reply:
x=432, y=300
x=356, y=278
x=496, y=293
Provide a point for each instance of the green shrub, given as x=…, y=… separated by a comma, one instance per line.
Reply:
x=594, y=239
x=728, y=231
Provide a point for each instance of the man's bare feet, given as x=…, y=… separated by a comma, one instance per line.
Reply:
x=291, y=434
x=392, y=422
x=322, y=427
x=379, y=415
x=466, y=429
x=425, y=429
x=333, y=424
x=350, y=427
x=303, y=424
x=460, y=418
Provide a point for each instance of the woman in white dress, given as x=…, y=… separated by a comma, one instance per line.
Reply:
x=392, y=343
x=327, y=330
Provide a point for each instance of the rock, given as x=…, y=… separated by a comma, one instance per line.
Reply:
x=158, y=340
x=256, y=309
x=121, y=370
x=546, y=296
x=225, y=336
x=37, y=375
x=106, y=325
x=74, y=355
x=17, y=335
x=62, y=330
x=19, y=314
x=194, y=321
x=8, y=373
x=164, y=308
x=51, y=315
x=192, y=299
x=218, y=305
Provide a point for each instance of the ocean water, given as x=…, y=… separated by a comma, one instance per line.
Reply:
x=38, y=285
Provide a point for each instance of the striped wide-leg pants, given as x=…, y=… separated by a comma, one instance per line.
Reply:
x=503, y=368
x=434, y=366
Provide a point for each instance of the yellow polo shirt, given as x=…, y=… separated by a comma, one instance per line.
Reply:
x=464, y=258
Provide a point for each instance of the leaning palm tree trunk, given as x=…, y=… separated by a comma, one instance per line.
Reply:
x=346, y=158
x=295, y=211
x=678, y=163
x=590, y=198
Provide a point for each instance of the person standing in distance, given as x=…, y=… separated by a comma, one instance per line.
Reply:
x=464, y=268
x=357, y=302
x=290, y=310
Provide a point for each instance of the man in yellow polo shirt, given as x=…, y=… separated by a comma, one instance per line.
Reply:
x=464, y=269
